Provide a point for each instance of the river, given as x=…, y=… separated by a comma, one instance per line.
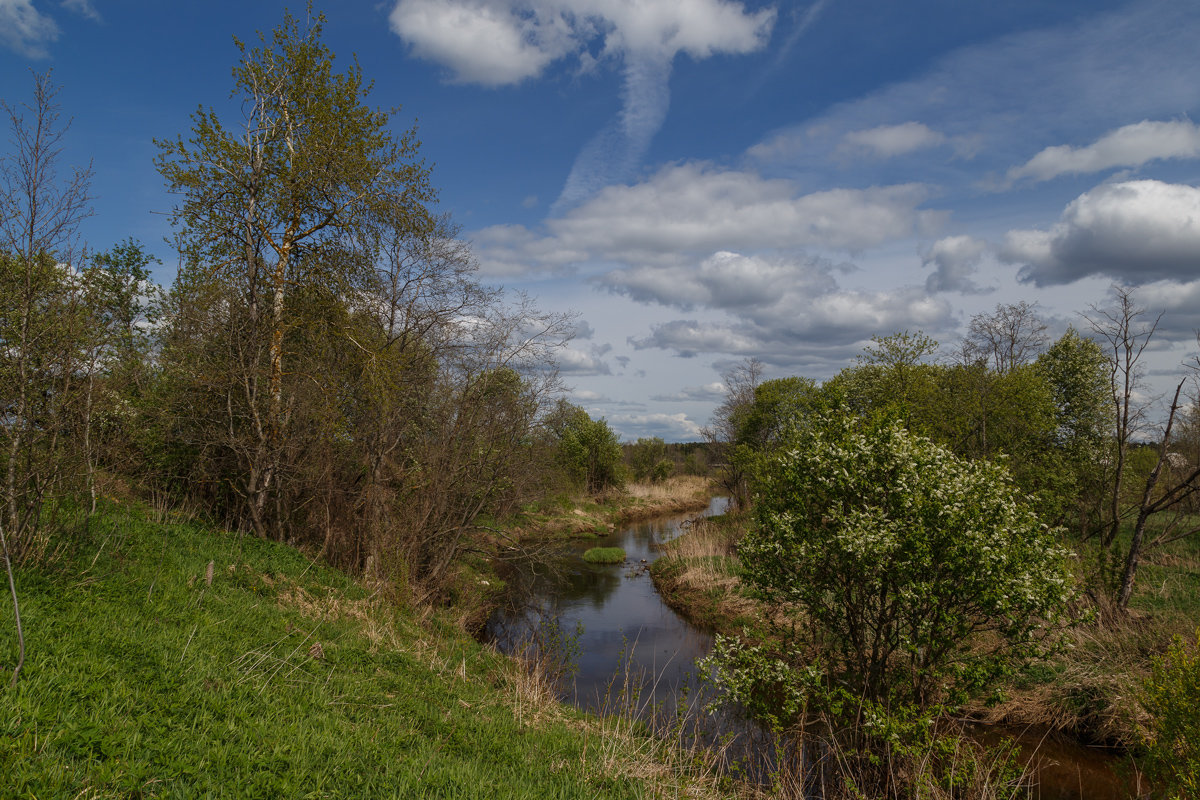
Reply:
x=628, y=647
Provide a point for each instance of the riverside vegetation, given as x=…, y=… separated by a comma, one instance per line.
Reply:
x=996, y=536
x=328, y=386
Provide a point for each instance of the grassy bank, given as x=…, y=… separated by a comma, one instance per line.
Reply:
x=1088, y=691
x=167, y=659
x=575, y=516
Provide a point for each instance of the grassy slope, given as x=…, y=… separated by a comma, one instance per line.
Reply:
x=143, y=681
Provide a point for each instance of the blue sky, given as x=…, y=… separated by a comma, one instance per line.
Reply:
x=704, y=181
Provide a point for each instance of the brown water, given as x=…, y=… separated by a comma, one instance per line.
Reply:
x=626, y=642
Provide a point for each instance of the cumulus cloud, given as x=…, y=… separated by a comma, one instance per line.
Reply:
x=501, y=42
x=671, y=427
x=707, y=392
x=25, y=30
x=887, y=141
x=1134, y=231
x=496, y=42
x=724, y=280
x=774, y=307
x=953, y=259
x=573, y=361
x=1128, y=146
x=698, y=208
x=1178, y=301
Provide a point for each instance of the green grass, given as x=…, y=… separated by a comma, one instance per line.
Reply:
x=604, y=555
x=143, y=681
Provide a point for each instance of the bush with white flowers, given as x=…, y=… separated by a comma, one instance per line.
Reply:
x=911, y=574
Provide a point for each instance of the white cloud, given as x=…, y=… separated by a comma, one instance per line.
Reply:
x=709, y=392
x=1128, y=146
x=572, y=361
x=24, y=30
x=82, y=7
x=500, y=42
x=496, y=42
x=1135, y=231
x=671, y=427
x=1179, y=303
x=887, y=141
x=697, y=209
x=1139, y=61
x=775, y=307
x=485, y=43
x=954, y=259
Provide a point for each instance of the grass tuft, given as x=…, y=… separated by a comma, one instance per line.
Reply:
x=604, y=555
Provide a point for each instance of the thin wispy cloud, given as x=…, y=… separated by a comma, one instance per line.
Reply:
x=25, y=30
x=613, y=155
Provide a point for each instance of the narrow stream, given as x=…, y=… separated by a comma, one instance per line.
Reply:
x=627, y=646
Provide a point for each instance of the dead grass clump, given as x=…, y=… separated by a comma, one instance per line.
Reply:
x=375, y=620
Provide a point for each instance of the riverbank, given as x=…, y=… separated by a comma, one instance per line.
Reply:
x=583, y=516
x=170, y=659
x=1087, y=692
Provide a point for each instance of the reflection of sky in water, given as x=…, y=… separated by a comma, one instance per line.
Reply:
x=622, y=615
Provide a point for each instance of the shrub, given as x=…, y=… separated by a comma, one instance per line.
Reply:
x=920, y=575
x=1171, y=695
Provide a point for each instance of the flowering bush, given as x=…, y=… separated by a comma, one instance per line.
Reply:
x=917, y=576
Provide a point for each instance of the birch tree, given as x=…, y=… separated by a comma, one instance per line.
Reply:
x=270, y=204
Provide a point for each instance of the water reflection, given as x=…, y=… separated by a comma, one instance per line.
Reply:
x=624, y=627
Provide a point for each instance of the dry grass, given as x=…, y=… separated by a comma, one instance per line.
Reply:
x=675, y=487
x=698, y=576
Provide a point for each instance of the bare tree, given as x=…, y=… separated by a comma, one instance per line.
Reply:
x=39, y=315
x=1009, y=337
x=1126, y=330
x=740, y=383
x=1170, y=483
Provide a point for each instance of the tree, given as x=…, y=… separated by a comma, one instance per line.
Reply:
x=40, y=321
x=919, y=574
x=272, y=207
x=587, y=449
x=1076, y=371
x=648, y=460
x=1008, y=338
x=721, y=432
x=893, y=375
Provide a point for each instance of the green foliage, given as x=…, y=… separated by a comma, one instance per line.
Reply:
x=648, y=460
x=586, y=449
x=1171, y=695
x=872, y=749
x=604, y=555
x=1076, y=371
x=921, y=574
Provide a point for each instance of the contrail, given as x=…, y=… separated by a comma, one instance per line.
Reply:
x=613, y=154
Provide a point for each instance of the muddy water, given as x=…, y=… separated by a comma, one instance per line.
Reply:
x=629, y=648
